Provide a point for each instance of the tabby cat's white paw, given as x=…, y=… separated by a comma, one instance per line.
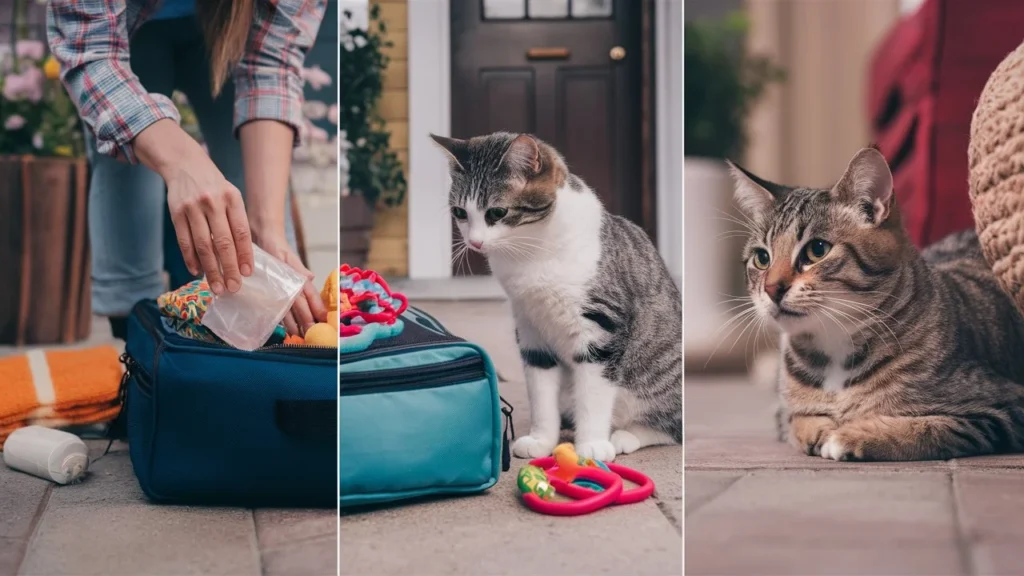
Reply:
x=602, y=450
x=530, y=447
x=833, y=449
x=625, y=442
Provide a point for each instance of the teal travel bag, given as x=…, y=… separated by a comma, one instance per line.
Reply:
x=419, y=415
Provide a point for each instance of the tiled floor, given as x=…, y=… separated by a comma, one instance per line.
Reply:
x=494, y=534
x=755, y=506
x=106, y=526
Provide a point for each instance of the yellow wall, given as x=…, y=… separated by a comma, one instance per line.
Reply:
x=389, y=247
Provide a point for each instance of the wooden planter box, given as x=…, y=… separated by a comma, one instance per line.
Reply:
x=356, y=227
x=44, y=251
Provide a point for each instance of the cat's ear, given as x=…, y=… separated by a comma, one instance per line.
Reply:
x=457, y=150
x=523, y=155
x=867, y=184
x=753, y=195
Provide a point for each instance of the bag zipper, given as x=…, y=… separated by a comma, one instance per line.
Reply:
x=506, y=438
x=133, y=368
x=449, y=373
x=285, y=349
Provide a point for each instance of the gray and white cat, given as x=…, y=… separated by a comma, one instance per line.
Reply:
x=598, y=317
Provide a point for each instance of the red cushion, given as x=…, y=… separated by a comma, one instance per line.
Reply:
x=926, y=76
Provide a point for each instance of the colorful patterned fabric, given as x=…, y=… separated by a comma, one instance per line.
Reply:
x=185, y=307
x=90, y=40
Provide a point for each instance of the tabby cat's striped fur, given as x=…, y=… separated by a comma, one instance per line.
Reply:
x=598, y=317
x=887, y=353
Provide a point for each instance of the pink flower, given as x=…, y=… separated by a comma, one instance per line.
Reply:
x=318, y=134
x=31, y=49
x=314, y=110
x=25, y=86
x=13, y=87
x=14, y=122
x=332, y=114
x=316, y=77
x=37, y=141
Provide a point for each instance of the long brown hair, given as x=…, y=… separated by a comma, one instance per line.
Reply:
x=226, y=25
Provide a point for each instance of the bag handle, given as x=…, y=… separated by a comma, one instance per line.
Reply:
x=308, y=420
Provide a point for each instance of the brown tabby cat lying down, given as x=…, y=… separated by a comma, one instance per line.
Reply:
x=887, y=353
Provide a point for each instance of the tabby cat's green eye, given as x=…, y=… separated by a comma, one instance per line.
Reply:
x=495, y=214
x=816, y=250
x=761, y=259
x=459, y=213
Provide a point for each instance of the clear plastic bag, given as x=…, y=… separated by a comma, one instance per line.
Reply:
x=246, y=319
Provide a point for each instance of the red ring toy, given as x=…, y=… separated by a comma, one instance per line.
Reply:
x=644, y=485
x=591, y=501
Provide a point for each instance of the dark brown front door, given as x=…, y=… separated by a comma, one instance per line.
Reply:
x=568, y=71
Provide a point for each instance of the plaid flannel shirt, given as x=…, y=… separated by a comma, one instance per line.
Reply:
x=90, y=40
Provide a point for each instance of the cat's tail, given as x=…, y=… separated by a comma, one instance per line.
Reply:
x=764, y=371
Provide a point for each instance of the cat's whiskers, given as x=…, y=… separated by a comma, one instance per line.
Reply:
x=866, y=307
x=746, y=326
x=461, y=255
x=868, y=325
x=512, y=251
x=828, y=313
x=735, y=321
x=876, y=320
x=749, y=225
x=532, y=242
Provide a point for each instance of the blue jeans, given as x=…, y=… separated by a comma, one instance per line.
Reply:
x=130, y=230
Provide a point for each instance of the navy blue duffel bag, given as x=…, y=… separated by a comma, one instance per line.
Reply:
x=209, y=424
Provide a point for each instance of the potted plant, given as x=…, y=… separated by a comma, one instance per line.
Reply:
x=723, y=82
x=371, y=173
x=44, y=254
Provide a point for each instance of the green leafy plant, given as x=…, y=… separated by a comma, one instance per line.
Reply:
x=374, y=171
x=723, y=82
x=37, y=116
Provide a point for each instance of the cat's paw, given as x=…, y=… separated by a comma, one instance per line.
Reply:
x=625, y=442
x=530, y=447
x=808, y=433
x=834, y=448
x=602, y=450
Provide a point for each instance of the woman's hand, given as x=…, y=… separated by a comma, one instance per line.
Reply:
x=308, y=308
x=208, y=214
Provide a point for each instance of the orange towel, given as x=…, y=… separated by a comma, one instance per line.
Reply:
x=59, y=388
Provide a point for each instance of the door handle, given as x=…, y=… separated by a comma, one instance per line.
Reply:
x=548, y=53
x=617, y=53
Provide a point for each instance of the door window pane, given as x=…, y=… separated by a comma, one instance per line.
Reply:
x=591, y=8
x=504, y=9
x=549, y=8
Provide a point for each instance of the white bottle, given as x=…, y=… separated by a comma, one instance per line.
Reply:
x=47, y=453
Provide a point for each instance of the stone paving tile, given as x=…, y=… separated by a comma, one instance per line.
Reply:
x=702, y=487
x=105, y=526
x=991, y=506
x=495, y=534
x=730, y=453
x=727, y=407
x=1006, y=461
x=275, y=527
x=20, y=497
x=312, y=557
x=11, y=551
x=1000, y=559
x=814, y=509
x=835, y=560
